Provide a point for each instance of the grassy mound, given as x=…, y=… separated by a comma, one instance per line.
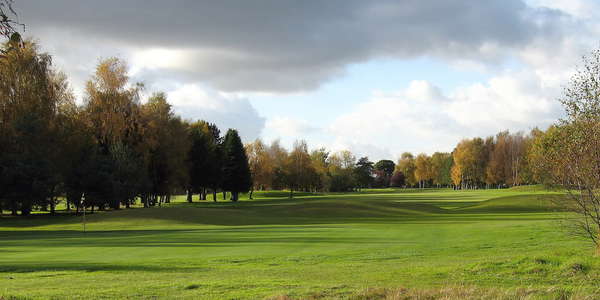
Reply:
x=529, y=188
x=518, y=203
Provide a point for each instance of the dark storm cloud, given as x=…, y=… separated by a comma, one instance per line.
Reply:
x=286, y=46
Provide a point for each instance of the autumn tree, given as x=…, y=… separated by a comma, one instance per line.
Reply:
x=468, y=169
x=495, y=170
x=261, y=165
x=31, y=93
x=299, y=171
x=423, y=169
x=168, y=146
x=279, y=157
x=567, y=153
x=406, y=165
x=112, y=106
x=320, y=162
x=341, y=171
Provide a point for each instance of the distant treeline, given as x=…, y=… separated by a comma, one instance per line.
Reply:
x=495, y=162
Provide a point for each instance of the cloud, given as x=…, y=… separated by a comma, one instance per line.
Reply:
x=207, y=52
x=421, y=118
x=192, y=102
x=288, y=127
x=283, y=46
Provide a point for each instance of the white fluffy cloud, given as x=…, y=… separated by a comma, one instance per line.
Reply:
x=421, y=118
x=288, y=127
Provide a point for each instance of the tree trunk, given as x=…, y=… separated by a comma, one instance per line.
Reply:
x=189, y=196
x=234, y=196
x=250, y=194
x=215, y=195
x=52, y=206
x=224, y=195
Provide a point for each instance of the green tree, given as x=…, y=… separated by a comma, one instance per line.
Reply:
x=385, y=172
x=202, y=152
x=215, y=161
x=364, y=172
x=236, y=172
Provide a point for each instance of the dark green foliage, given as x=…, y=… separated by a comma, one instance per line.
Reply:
x=387, y=166
x=236, y=172
x=215, y=162
x=364, y=172
x=342, y=182
x=384, y=169
x=201, y=157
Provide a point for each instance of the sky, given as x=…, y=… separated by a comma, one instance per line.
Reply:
x=377, y=78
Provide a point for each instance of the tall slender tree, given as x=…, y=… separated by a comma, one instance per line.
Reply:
x=406, y=165
x=261, y=166
x=236, y=172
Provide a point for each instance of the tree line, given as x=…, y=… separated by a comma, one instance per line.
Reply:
x=497, y=161
x=109, y=152
x=115, y=149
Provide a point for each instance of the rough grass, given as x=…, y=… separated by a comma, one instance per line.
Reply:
x=377, y=244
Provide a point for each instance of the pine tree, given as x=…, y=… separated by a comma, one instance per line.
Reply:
x=236, y=172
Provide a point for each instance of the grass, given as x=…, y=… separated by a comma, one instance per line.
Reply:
x=376, y=244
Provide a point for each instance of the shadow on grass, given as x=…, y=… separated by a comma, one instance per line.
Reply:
x=90, y=267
